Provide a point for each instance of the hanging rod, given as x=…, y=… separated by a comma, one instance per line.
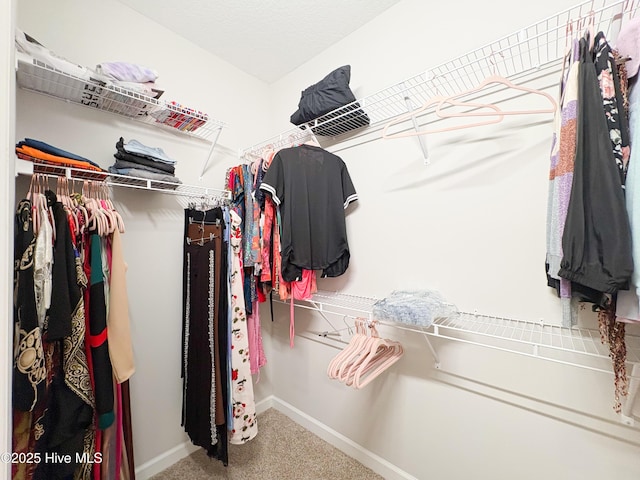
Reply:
x=26, y=167
x=295, y=136
x=538, y=47
x=576, y=346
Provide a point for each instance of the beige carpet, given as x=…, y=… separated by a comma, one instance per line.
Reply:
x=282, y=450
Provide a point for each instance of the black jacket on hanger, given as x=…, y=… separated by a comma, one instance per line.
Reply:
x=597, y=238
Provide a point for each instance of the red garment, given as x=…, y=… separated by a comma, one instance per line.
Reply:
x=267, y=232
x=300, y=290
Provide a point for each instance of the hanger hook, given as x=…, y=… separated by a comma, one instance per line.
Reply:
x=493, y=65
x=568, y=33
x=433, y=80
x=344, y=320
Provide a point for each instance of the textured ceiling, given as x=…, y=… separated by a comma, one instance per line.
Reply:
x=265, y=38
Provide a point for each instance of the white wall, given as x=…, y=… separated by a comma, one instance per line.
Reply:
x=89, y=32
x=471, y=225
x=7, y=109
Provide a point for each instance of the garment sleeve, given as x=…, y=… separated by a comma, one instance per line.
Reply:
x=273, y=182
x=349, y=194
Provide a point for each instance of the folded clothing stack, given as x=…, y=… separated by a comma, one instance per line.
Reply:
x=45, y=154
x=135, y=159
x=413, y=307
x=131, y=76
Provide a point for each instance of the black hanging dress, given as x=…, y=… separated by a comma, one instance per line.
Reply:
x=204, y=333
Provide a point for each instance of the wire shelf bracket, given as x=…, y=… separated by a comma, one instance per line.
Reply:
x=416, y=127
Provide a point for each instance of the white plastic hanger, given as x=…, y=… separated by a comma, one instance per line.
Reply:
x=312, y=140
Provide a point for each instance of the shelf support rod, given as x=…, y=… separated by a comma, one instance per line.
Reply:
x=319, y=309
x=210, y=154
x=436, y=358
x=626, y=415
x=421, y=140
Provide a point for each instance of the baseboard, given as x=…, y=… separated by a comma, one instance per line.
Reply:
x=376, y=463
x=165, y=460
x=264, y=404
x=342, y=443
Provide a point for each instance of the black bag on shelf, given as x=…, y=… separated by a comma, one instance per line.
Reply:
x=326, y=96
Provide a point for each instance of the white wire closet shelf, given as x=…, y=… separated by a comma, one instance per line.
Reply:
x=538, y=47
x=576, y=346
x=116, y=180
x=38, y=76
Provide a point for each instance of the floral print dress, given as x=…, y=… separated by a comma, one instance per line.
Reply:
x=245, y=426
x=613, y=103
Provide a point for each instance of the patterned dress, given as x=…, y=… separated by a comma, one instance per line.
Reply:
x=245, y=426
x=613, y=104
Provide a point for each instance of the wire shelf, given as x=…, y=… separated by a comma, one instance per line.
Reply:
x=38, y=76
x=576, y=346
x=538, y=47
x=116, y=180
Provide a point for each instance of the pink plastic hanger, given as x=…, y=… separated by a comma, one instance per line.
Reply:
x=349, y=367
x=376, y=355
x=489, y=81
x=436, y=100
x=354, y=355
x=493, y=79
x=386, y=353
x=365, y=357
x=588, y=24
x=360, y=332
x=568, y=51
x=629, y=7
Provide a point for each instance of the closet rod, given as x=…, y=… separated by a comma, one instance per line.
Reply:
x=576, y=346
x=556, y=342
x=25, y=167
x=295, y=136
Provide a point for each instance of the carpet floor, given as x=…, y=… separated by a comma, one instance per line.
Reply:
x=282, y=450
